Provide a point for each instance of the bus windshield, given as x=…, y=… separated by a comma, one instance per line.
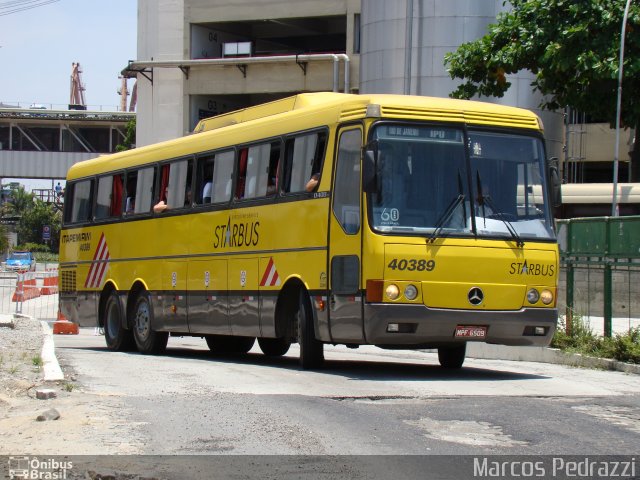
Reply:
x=443, y=181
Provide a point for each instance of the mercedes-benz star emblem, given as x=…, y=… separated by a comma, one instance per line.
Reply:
x=475, y=296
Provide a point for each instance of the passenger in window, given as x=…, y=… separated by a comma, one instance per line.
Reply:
x=161, y=206
x=187, y=197
x=312, y=184
x=131, y=205
x=272, y=186
x=206, y=192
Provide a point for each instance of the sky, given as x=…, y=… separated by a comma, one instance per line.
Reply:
x=38, y=46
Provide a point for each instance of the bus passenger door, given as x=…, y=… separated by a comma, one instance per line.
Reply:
x=208, y=298
x=345, y=291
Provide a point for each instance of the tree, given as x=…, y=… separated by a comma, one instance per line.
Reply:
x=20, y=202
x=572, y=47
x=4, y=241
x=30, y=225
x=130, y=137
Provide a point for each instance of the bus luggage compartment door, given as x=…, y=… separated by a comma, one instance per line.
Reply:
x=244, y=310
x=208, y=297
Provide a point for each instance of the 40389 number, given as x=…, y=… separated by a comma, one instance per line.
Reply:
x=412, y=265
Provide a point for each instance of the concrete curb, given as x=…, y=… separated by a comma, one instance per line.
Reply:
x=51, y=367
x=547, y=355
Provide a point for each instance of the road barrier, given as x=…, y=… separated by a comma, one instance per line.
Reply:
x=31, y=293
x=26, y=288
x=50, y=283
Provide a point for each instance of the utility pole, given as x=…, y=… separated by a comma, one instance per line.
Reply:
x=614, y=203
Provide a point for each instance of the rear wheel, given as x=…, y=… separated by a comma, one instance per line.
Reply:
x=311, y=350
x=274, y=347
x=452, y=357
x=147, y=339
x=117, y=337
x=227, y=344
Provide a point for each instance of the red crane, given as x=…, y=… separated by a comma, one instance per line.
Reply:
x=76, y=100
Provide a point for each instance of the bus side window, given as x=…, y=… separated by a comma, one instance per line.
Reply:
x=258, y=168
x=144, y=189
x=223, y=176
x=130, y=194
x=346, y=201
x=80, y=202
x=303, y=159
x=175, y=184
x=242, y=173
x=273, y=169
x=109, y=197
x=204, y=179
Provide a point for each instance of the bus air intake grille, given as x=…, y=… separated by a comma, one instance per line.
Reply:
x=473, y=117
x=502, y=119
x=68, y=281
x=353, y=113
x=423, y=114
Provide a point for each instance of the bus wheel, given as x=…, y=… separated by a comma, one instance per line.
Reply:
x=452, y=357
x=227, y=344
x=147, y=339
x=274, y=347
x=311, y=350
x=118, y=339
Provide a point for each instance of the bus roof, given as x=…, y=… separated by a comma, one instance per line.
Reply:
x=446, y=109
x=316, y=109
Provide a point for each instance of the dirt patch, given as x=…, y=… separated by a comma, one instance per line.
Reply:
x=88, y=424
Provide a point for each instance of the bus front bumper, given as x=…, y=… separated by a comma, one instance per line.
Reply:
x=420, y=326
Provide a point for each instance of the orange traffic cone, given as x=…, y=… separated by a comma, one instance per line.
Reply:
x=64, y=326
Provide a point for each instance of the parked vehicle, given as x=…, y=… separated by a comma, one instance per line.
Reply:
x=21, y=261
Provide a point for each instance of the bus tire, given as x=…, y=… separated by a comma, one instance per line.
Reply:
x=311, y=349
x=452, y=357
x=274, y=347
x=226, y=344
x=117, y=337
x=147, y=339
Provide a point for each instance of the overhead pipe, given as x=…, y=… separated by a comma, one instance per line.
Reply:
x=139, y=65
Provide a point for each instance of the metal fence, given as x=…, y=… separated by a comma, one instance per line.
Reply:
x=600, y=275
x=30, y=293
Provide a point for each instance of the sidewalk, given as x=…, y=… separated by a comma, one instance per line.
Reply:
x=27, y=355
x=546, y=355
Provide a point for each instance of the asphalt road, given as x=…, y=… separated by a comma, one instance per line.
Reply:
x=366, y=401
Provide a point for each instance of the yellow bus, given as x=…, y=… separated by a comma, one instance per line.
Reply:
x=398, y=221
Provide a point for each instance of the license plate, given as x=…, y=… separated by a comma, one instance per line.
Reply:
x=463, y=331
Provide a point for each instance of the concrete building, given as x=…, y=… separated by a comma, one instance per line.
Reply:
x=198, y=58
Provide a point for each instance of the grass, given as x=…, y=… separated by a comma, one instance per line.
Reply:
x=69, y=387
x=37, y=361
x=622, y=347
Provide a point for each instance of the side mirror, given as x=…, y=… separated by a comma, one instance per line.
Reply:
x=369, y=167
x=556, y=183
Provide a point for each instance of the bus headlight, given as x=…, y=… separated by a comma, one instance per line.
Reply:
x=546, y=296
x=392, y=291
x=410, y=292
x=533, y=296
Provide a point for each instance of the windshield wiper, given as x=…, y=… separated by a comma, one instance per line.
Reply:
x=482, y=199
x=444, y=218
x=501, y=217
